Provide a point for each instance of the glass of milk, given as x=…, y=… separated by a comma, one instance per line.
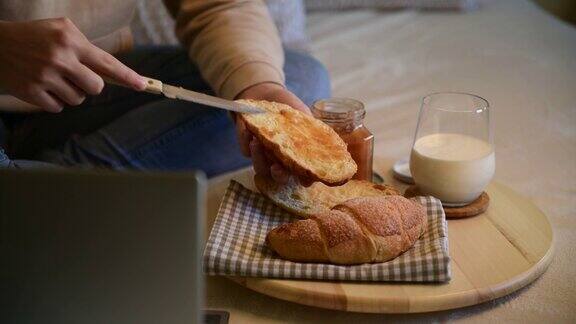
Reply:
x=452, y=155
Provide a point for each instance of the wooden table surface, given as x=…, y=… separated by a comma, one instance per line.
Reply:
x=492, y=255
x=522, y=262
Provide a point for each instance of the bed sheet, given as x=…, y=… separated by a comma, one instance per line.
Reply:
x=518, y=57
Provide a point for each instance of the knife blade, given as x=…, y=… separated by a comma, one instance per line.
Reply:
x=173, y=92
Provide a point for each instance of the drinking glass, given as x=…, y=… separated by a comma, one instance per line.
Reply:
x=452, y=154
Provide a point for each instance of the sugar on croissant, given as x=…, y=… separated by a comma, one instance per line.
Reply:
x=360, y=230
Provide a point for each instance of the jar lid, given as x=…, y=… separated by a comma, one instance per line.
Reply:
x=335, y=110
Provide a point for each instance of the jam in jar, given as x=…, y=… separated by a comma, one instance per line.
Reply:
x=346, y=117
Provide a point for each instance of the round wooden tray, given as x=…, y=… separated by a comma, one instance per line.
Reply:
x=493, y=254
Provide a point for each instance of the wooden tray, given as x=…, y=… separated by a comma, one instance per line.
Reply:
x=493, y=254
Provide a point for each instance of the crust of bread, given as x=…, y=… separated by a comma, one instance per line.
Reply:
x=360, y=230
x=393, y=223
x=344, y=238
x=300, y=241
x=317, y=198
x=303, y=144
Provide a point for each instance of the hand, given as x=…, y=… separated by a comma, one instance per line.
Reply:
x=50, y=63
x=264, y=162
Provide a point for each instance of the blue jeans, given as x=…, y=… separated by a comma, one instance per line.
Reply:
x=123, y=129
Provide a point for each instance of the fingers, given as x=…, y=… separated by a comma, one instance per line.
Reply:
x=259, y=160
x=262, y=164
x=244, y=137
x=296, y=103
x=277, y=171
x=70, y=87
x=67, y=92
x=47, y=101
x=279, y=174
x=85, y=79
x=274, y=92
x=266, y=165
x=107, y=65
x=287, y=97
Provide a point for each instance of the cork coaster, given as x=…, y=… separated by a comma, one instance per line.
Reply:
x=476, y=207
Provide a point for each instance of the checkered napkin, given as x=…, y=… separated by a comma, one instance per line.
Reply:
x=236, y=246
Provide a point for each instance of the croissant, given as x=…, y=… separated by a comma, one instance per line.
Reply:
x=360, y=230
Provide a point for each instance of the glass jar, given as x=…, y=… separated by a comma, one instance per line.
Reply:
x=346, y=117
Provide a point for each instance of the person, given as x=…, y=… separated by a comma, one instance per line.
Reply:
x=54, y=55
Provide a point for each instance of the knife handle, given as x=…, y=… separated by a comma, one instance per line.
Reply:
x=152, y=85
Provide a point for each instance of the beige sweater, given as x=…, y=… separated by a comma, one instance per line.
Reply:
x=234, y=42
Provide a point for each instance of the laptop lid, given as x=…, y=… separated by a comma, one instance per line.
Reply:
x=100, y=247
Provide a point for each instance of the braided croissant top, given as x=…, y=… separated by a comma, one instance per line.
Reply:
x=360, y=230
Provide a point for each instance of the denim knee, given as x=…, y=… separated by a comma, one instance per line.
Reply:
x=306, y=77
x=4, y=160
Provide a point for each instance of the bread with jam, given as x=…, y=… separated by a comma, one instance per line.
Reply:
x=305, y=145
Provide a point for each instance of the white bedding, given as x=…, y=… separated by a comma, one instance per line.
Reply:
x=523, y=61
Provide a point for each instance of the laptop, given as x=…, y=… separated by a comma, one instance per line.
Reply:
x=100, y=247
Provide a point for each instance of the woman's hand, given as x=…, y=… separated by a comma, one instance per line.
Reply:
x=265, y=163
x=50, y=63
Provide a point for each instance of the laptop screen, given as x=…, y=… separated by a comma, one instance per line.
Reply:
x=100, y=247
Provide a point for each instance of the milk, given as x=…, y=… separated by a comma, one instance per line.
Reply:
x=452, y=167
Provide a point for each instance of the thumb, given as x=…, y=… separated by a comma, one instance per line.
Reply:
x=287, y=97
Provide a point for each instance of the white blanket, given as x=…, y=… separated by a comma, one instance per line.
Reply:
x=518, y=57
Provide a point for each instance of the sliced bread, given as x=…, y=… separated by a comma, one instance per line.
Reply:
x=303, y=144
x=318, y=198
